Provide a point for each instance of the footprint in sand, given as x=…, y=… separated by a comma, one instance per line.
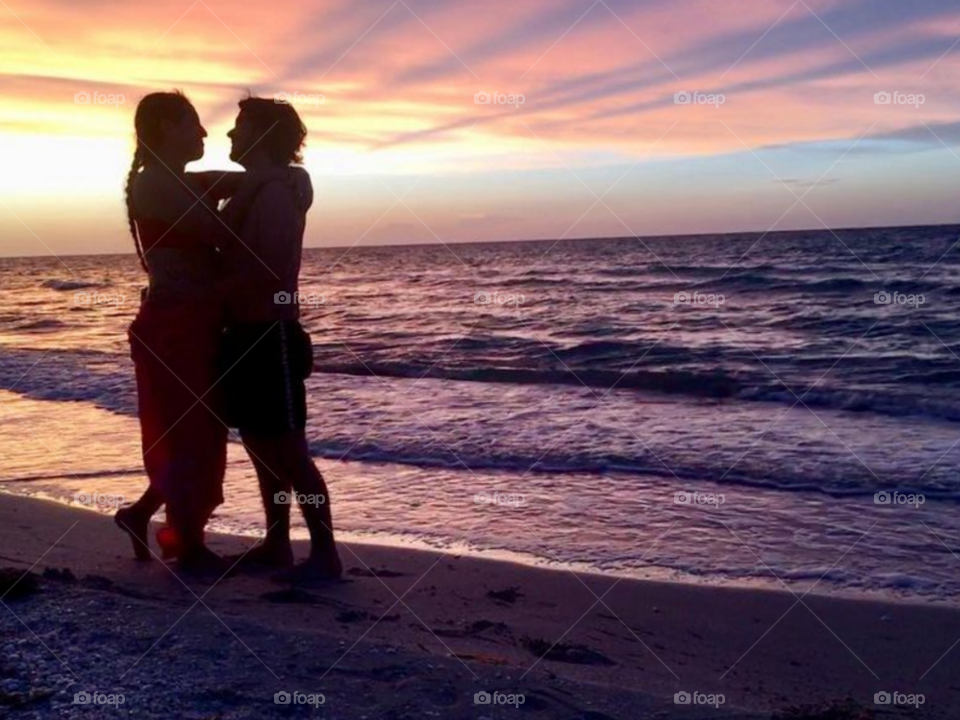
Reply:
x=566, y=653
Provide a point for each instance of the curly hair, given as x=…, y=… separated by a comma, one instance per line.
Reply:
x=280, y=128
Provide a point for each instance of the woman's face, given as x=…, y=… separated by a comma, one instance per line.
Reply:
x=186, y=136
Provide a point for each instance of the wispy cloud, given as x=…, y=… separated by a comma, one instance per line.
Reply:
x=598, y=79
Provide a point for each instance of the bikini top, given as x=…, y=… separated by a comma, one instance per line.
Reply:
x=161, y=234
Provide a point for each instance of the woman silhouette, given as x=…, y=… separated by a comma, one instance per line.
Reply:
x=175, y=337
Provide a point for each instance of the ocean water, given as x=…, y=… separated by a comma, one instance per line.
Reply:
x=583, y=385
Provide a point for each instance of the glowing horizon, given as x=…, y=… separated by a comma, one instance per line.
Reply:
x=599, y=114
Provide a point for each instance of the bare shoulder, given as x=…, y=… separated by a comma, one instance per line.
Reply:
x=276, y=191
x=157, y=194
x=293, y=194
x=276, y=198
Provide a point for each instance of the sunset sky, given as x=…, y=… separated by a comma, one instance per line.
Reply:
x=400, y=152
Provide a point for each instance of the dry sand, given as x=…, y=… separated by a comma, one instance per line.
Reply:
x=412, y=634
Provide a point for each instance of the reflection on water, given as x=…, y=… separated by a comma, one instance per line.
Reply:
x=614, y=523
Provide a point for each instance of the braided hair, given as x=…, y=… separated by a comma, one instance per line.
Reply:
x=152, y=111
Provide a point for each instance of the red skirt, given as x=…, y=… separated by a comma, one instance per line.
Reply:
x=174, y=350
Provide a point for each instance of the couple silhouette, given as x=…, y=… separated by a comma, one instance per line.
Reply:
x=212, y=349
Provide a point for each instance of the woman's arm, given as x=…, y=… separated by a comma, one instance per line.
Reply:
x=236, y=210
x=215, y=184
x=162, y=196
x=278, y=225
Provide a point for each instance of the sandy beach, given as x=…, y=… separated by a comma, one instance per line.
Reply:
x=417, y=634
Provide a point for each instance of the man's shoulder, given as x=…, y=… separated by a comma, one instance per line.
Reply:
x=275, y=193
x=291, y=193
x=276, y=205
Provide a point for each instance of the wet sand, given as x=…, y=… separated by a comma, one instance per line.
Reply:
x=410, y=633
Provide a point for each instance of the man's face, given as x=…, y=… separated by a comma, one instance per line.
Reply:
x=242, y=137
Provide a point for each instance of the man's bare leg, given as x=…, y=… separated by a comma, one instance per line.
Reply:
x=276, y=551
x=288, y=457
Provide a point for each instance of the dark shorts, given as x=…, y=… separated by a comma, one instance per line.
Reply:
x=263, y=366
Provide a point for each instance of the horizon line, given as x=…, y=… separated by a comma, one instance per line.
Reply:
x=596, y=238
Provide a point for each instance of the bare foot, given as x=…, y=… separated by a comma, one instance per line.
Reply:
x=137, y=527
x=203, y=562
x=316, y=569
x=264, y=557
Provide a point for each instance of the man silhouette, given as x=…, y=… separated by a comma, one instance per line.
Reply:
x=267, y=353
